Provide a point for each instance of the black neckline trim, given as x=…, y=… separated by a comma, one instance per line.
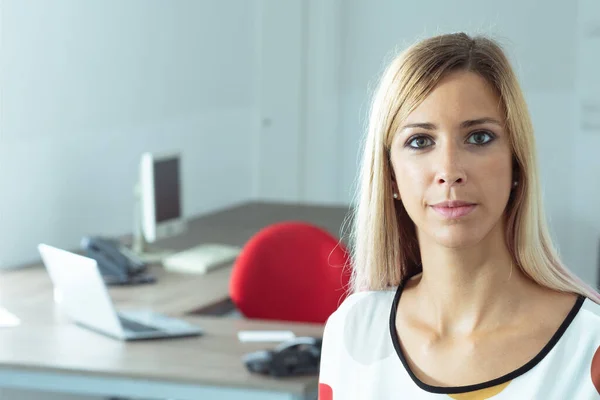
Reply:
x=491, y=383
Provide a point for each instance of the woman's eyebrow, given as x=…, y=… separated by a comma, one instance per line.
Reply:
x=421, y=125
x=465, y=124
x=480, y=121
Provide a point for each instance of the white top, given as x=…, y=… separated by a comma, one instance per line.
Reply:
x=361, y=358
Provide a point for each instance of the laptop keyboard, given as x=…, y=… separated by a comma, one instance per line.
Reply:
x=133, y=326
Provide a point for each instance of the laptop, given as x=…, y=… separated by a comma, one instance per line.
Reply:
x=82, y=293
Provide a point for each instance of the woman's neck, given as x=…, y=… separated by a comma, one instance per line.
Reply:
x=469, y=289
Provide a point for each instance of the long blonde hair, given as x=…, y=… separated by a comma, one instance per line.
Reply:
x=385, y=250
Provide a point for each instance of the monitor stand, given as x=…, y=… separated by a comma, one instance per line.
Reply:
x=148, y=254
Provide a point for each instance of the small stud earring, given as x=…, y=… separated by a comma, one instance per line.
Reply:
x=395, y=195
x=515, y=183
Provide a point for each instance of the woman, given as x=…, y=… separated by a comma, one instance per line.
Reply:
x=458, y=290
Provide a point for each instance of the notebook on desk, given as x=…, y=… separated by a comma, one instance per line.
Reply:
x=201, y=259
x=83, y=295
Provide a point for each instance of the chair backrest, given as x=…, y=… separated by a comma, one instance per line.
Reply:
x=290, y=271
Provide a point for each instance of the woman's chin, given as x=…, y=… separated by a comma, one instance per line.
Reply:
x=457, y=237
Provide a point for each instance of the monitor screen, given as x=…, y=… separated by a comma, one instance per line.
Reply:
x=166, y=190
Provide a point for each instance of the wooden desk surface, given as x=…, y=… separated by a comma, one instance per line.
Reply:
x=47, y=340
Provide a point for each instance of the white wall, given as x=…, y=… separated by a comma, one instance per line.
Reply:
x=299, y=149
x=87, y=86
x=247, y=90
x=280, y=90
x=323, y=170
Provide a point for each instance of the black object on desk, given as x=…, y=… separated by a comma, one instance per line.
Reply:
x=117, y=265
x=299, y=356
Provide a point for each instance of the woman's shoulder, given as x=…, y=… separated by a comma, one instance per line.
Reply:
x=590, y=313
x=358, y=331
x=364, y=306
x=584, y=326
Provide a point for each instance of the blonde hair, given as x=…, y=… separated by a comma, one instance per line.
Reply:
x=385, y=250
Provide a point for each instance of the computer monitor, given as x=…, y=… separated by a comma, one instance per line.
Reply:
x=160, y=196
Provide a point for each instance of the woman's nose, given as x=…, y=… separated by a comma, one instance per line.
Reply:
x=450, y=170
x=451, y=178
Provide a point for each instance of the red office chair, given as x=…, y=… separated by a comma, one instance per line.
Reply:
x=290, y=271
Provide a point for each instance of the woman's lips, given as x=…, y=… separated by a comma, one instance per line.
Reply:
x=453, y=210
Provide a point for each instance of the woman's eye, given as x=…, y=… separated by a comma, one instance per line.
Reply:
x=420, y=142
x=480, y=138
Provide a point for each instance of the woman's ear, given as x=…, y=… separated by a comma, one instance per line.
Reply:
x=395, y=191
x=515, y=170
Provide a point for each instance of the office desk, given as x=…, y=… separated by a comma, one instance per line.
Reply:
x=48, y=352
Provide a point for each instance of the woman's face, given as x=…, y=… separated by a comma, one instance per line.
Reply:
x=452, y=162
